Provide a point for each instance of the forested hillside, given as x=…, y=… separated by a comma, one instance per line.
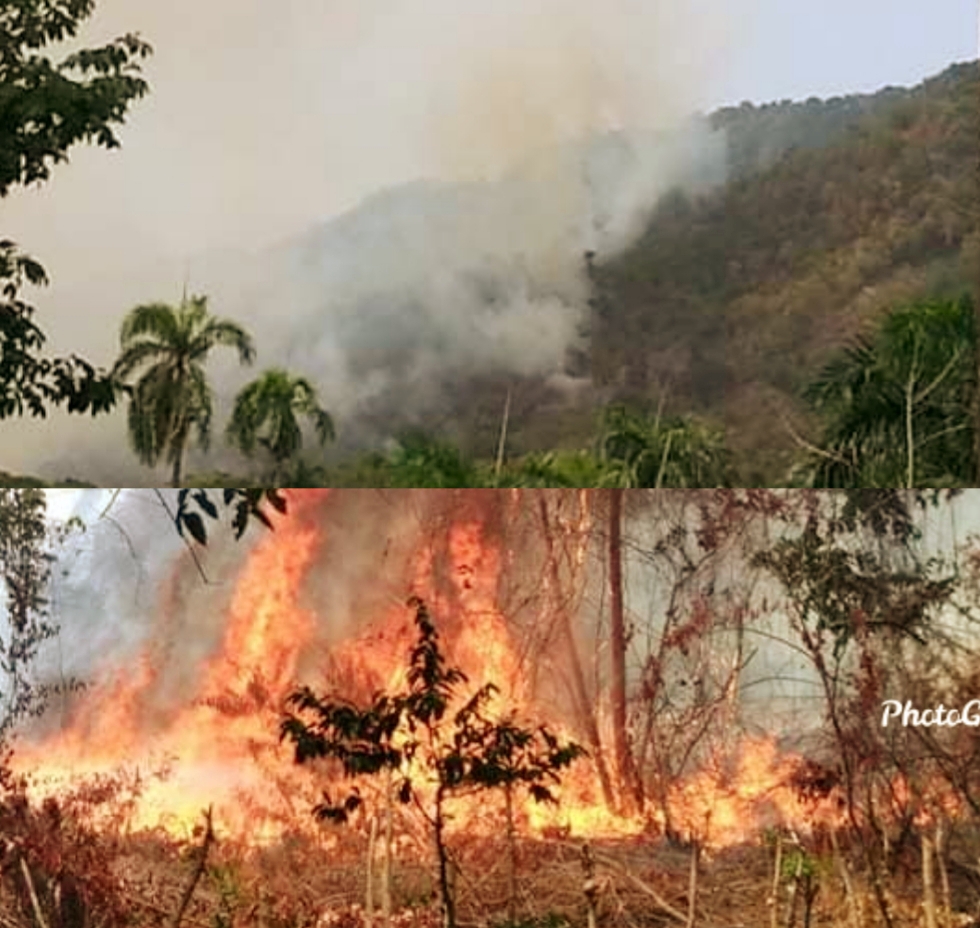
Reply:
x=846, y=234
x=834, y=212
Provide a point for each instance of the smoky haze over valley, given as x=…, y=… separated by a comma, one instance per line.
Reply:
x=387, y=195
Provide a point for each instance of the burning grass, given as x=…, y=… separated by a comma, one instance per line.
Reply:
x=115, y=848
x=59, y=870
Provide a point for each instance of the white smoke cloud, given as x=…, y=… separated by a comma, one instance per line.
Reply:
x=434, y=281
x=263, y=122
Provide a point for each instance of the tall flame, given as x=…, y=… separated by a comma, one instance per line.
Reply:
x=222, y=737
x=215, y=734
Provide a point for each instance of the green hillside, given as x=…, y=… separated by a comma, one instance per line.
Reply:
x=835, y=211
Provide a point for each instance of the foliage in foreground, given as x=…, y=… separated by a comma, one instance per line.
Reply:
x=897, y=405
x=27, y=542
x=47, y=107
x=411, y=735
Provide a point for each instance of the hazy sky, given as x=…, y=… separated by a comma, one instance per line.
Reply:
x=835, y=47
x=266, y=117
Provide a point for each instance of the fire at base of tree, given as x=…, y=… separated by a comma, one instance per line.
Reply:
x=534, y=708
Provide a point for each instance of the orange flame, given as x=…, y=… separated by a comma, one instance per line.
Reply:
x=230, y=717
x=223, y=737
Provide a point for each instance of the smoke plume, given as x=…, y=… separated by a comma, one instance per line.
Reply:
x=387, y=194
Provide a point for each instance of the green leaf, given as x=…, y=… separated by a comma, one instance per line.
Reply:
x=203, y=500
x=195, y=525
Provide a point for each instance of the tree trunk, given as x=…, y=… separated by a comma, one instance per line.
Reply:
x=448, y=904
x=853, y=910
x=794, y=893
x=692, y=884
x=928, y=882
x=580, y=693
x=848, y=764
x=590, y=887
x=617, y=655
x=943, y=873
x=511, y=856
x=178, y=464
x=776, y=874
x=386, y=860
x=369, y=875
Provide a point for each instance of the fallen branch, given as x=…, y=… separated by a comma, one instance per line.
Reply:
x=6, y=922
x=645, y=888
x=33, y=894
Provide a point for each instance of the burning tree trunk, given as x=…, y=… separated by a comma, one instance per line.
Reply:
x=584, y=704
x=627, y=781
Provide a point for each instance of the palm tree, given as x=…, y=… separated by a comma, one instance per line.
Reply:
x=173, y=395
x=421, y=461
x=266, y=412
x=555, y=469
x=637, y=451
x=897, y=404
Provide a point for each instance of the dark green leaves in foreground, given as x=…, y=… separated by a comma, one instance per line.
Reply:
x=466, y=749
x=245, y=505
x=47, y=107
x=898, y=406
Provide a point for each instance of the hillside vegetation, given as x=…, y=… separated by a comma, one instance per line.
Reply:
x=836, y=211
x=768, y=331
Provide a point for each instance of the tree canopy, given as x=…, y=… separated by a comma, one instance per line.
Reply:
x=46, y=108
x=267, y=413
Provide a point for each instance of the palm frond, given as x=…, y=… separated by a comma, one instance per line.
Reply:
x=138, y=353
x=323, y=425
x=223, y=332
x=156, y=320
x=199, y=406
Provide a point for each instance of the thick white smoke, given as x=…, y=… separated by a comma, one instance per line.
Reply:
x=431, y=282
x=471, y=151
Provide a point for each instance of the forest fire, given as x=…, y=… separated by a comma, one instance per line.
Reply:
x=221, y=744
x=364, y=704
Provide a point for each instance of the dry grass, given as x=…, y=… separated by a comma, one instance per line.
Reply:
x=103, y=878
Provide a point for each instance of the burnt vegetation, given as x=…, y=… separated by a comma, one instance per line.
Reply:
x=415, y=809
